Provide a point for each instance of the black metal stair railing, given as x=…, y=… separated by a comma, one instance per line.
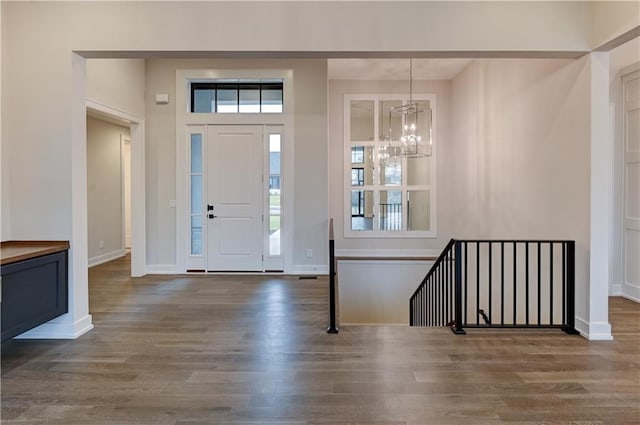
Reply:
x=499, y=284
x=432, y=302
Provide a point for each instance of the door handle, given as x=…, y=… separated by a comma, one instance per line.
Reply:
x=209, y=207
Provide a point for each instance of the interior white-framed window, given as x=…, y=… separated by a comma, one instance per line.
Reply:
x=386, y=195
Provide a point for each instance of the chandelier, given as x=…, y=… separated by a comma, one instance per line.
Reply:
x=413, y=140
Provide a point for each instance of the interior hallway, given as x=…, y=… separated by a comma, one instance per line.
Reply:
x=239, y=349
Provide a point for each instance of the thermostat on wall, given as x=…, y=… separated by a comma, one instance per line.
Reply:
x=162, y=99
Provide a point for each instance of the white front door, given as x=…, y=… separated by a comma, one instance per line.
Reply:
x=631, y=205
x=234, y=198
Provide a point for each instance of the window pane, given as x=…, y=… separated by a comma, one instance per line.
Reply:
x=196, y=235
x=357, y=154
x=196, y=194
x=362, y=157
x=275, y=211
x=196, y=153
x=418, y=170
x=362, y=120
x=396, y=120
x=357, y=177
x=418, y=210
x=423, y=124
x=391, y=171
x=227, y=101
x=272, y=98
x=274, y=224
x=250, y=100
x=204, y=100
x=361, y=210
x=390, y=210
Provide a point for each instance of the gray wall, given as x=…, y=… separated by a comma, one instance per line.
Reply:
x=104, y=189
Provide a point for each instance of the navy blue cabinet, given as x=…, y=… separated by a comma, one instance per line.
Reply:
x=34, y=291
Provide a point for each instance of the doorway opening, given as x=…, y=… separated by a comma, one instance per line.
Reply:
x=115, y=186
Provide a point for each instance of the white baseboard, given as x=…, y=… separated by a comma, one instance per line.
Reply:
x=161, y=269
x=104, y=258
x=631, y=292
x=388, y=253
x=597, y=331
x=615, y=290
x=304, y=269
x=59, y=328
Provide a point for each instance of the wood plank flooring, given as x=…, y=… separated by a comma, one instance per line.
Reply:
x=194, y=350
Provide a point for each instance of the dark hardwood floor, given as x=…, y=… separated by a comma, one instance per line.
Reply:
x=191, y=350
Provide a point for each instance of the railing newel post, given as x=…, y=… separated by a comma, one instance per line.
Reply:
x=457, y=257
x=570, y=325
x=332, y=329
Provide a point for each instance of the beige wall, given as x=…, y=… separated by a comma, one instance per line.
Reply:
x=117, y=83
x=104, y=189
x=521, y=143
x=612, y=19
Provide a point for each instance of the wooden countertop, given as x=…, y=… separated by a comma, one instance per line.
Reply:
x=14, y=251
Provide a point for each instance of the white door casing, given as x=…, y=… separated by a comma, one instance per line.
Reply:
x=126, y=190
x=188, y=123
x=631, y=181
x=234, y=198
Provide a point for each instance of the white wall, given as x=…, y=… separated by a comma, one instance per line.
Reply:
x=522, y=149
x=444, y=178
x=104, y=190
x=118, y=84
x=310, y=153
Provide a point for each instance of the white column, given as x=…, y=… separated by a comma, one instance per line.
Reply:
x=78, y=320
x=602, y=151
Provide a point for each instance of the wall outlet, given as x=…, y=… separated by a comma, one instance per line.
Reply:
x=101, y=244
x=309, y=253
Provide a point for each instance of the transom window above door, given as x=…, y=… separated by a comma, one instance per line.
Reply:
x=237, y=97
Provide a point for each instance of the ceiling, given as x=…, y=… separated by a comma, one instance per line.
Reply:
x=395, y=69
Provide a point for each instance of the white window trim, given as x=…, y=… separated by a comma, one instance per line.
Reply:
x=347, y=143
x=185, y=117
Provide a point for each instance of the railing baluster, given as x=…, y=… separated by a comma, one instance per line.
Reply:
x=515, y=282
x=539, y=279
x=564, y=280
x=502, y=283
x=466, y=281
x=551, y=283
x=490, y=282
x=526, y=280
x=477, y=283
